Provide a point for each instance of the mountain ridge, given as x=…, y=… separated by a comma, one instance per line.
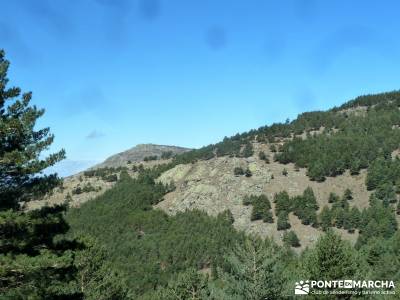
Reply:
x=139, y=153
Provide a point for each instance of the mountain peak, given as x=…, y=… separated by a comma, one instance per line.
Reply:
x=139, y=153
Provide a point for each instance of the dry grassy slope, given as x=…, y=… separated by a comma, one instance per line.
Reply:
x=70, y=183
x=134, y=155
x=211, y=186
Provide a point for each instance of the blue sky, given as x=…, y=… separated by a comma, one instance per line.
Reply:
x=115, y=73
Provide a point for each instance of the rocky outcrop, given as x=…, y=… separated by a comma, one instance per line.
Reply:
x=211, y=186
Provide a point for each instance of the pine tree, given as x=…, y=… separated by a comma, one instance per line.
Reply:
x=238, y=171
x=333, y=198
x=33, y=264
x=227, y=216
x=253, y=271
x=386, y=193
x=268, y=218
x=189, y=284
x=331, y=259
x=248, y=173
x=283, y=221
x=290, y=239
x=247, y=200
x=355, y=217
x=325, y=218
x=282, y=201
x=376, y=221
x=339, y=216
x=347, y=222
x=21, y=146
x=355, y=167
x=305, y=207
x=261, y=208
x=310, y=200
x=316, y=172
x=348, y=195
x=263, y=156
x=96, y=279
x=248, y=150
x=397, y=186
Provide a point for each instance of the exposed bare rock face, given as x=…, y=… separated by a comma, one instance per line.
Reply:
x=138, y=153
x=211, y=186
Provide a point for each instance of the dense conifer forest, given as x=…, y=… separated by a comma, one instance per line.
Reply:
x=118, y=246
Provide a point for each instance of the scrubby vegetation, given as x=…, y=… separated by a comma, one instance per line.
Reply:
x=150, y=158
x=107, y=174
x=263, y=156
x=87, y=188
x=239, y=171
x=167, y=154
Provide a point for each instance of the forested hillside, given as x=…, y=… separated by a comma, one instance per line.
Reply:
x=194, y=255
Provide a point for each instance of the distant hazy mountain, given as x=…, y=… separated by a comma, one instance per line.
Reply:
x=138, y=153
x=69, y=167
